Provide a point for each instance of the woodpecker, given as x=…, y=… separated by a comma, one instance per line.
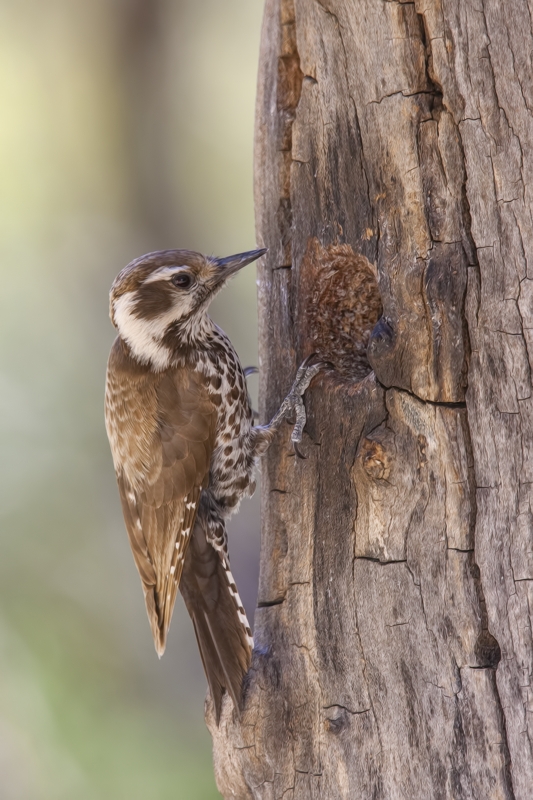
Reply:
x=180, y=427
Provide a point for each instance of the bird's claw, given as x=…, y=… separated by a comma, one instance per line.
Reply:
x=305, y=374
x=252, y=371
x=297, y=451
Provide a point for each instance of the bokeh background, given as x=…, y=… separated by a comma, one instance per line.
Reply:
x=125, y=126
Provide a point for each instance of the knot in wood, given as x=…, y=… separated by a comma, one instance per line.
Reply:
x=337, y=721
x=376, y=460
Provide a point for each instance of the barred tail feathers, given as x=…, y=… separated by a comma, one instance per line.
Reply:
x=220, y=624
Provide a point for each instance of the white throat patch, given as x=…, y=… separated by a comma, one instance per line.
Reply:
x=143, y=335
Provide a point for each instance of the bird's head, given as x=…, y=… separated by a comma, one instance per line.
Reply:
x=168, y=293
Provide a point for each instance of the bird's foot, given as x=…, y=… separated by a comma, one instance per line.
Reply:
x=294, y=400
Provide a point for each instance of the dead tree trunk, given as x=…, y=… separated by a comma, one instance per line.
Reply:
x=393, y=637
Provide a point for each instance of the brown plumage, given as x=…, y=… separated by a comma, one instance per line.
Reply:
x=167, y=439
x=180, y=427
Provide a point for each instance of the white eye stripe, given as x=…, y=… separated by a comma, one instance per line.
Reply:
x=165, y=273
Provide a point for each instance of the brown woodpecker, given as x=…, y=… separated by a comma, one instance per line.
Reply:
x=180, y=426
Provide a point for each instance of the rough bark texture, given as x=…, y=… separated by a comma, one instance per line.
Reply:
x=393, y=634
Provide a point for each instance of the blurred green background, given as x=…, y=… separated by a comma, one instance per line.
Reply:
x=126, y=126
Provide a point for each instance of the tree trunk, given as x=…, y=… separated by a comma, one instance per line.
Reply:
x=393, y=638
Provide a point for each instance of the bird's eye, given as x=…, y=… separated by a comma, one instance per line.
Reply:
x=182, y=280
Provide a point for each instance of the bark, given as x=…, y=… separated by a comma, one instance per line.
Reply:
x=393, y=634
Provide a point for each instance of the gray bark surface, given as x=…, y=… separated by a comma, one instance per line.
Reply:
x=394, y=171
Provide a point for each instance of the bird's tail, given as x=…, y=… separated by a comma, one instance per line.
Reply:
x=222, y=630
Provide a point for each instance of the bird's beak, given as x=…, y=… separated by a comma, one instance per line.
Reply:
x=232, y=264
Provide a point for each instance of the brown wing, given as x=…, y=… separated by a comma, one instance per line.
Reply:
x=162, y=451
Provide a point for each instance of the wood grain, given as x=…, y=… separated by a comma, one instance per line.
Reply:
x=393, y=635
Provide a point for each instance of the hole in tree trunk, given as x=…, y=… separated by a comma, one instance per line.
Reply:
x=341, y=304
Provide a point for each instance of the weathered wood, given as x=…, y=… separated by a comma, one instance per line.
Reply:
x=393, y=632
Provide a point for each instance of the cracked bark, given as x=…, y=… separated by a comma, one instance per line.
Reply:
x=393, y=635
